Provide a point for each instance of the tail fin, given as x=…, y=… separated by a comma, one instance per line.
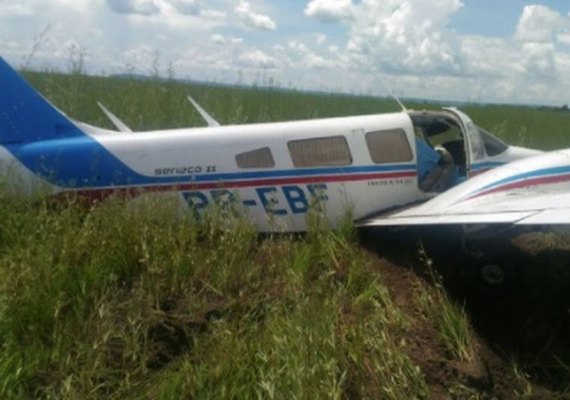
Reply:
x=25, y=116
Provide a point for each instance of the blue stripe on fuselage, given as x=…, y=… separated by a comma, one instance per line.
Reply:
x=82, y=162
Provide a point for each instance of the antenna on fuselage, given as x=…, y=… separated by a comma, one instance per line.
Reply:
x=120, y=125
x=404, y=109
x=390, y=91
x=207, y=117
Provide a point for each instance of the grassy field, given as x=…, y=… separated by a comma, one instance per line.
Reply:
x=152, y=104
x=115, y=302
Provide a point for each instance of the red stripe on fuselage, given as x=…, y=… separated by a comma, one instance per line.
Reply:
x=133, y=191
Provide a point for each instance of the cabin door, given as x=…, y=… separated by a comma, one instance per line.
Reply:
x=474, y=148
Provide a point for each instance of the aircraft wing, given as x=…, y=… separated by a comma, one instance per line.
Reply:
x=529, y=208
x=534, y=191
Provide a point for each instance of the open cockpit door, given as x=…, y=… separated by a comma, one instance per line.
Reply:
x=441, y=151
x=451, y=148
x=472, y=141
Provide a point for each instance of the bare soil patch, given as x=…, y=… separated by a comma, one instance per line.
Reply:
x=521, y=338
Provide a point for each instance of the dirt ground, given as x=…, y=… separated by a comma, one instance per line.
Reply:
x=522, y=332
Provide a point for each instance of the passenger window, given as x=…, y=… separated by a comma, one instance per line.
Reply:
x=389, y=146
x=328, y=151
x=259, y=158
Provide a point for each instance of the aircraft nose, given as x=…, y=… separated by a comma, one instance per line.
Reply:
x=517, y=153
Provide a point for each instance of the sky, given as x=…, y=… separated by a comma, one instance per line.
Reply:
x=485, y=51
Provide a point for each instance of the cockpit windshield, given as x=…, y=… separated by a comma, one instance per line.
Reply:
x=493, y=145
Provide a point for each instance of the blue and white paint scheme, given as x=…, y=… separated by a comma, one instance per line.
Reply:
x=274, y=172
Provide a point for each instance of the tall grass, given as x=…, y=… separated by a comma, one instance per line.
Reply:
x=153, y=104
x=450, y=318
x=114, y=301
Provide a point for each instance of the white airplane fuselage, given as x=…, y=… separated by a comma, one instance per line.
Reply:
x=274, y=173
x=199, y=165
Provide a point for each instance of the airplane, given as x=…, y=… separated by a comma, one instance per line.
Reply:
x=432, y=163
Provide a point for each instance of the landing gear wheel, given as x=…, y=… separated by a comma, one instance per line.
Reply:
x=491, y=277
x=492, y=274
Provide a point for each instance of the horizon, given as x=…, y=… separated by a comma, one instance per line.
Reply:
x=308, y=91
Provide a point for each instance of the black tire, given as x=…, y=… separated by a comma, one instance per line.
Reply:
x=492, y=276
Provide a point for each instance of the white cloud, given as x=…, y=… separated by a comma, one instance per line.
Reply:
x=163, y=8
x=405, y=36
x=142, y=55
x=188, y=7
x=139, y=7
x=538, y=24
x=490, y=57
x=330, y=10
x=224, y=40
x=17, y=9
x=213, y=15
x=408, y=43
x=257, y=59
x=306, y=57
x=298, y=47
x=564, y=38
x=317, y=61
x=29, y=8
x=76, y=5
x=539, y=60
x=253, y=19
x=320, y=38
x=170, y=15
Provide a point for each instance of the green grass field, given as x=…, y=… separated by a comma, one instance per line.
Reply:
x=116, y=302
x=147, y=105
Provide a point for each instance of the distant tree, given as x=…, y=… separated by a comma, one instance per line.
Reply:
x=565, y=108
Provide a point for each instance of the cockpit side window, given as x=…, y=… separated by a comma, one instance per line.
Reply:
x=493, y=145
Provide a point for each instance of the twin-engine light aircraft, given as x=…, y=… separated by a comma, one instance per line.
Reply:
x=372, y=166
x=274, y=171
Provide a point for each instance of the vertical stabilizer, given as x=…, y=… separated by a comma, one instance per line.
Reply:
x=25, y=116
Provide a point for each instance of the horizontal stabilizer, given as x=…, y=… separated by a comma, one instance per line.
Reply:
x=207, y=117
